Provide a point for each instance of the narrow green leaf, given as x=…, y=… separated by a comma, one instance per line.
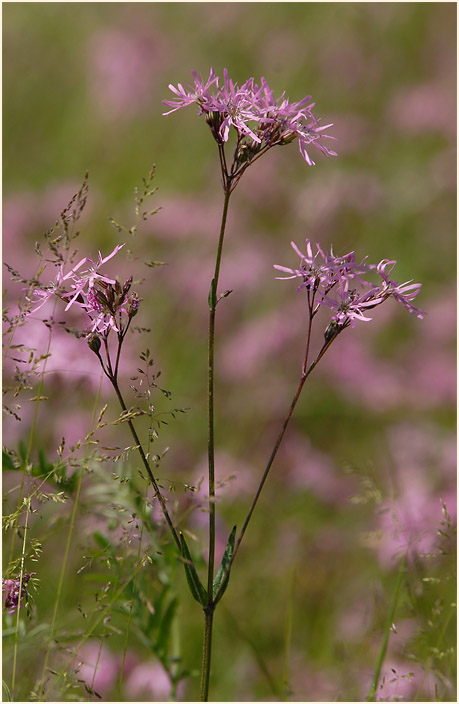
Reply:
x=197, y=590
x=7, y=461
x=162, y=643
x=222, y=577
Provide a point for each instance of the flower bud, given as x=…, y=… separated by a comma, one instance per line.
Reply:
x=134, y=303
x=94, y=343
x=332, y=331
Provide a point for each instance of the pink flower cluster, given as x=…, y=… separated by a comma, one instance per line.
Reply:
x=15, y=591
x=253, y=112
x=336, y=282
x=102, y=298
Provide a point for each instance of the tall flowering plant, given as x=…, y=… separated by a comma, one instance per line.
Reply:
x=344, y=287
x=339, y=283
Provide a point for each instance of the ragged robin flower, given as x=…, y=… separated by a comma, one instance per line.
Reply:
x=337, y=283
x=12, y=588
x=260, y=121
x=104, y=300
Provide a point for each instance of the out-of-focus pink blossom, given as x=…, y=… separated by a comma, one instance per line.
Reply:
x=100, y=668
x=426, y=107
x=424, y=476
x=234, y=476
x=187, y=216
x=307, y=468
x=359, y=190
x=355, y=370
x=257, y=341
x=151, y=680
x=123, y=64
x=27, y=214
x=402, y=681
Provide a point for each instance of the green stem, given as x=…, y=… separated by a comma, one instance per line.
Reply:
x=390, y=619
x=21, y=577
x=206, y=653
x=210, y=397
x=207, y=642
x=304, y=375
x=153, y=481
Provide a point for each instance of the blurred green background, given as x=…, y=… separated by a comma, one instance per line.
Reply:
x=370, y=454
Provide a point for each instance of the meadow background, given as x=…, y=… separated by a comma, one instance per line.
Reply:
x=370, y=454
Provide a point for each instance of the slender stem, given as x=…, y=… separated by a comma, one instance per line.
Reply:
x=271, y=460
x=21, y=578
x=113, y=377
x=206, y=653
x=304, y=375
x=286, y=689
x=210, y=395
x=390, y=619
x=209, y=609
x=146, y=464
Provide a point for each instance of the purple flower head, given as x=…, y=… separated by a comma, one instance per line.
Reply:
x=87, y=278
x=337, y=283
x=104, y=299
x=349, y=305
x=314, y=269
x=254, y=113
x=403, y=293
x=321, y=271
x=12, y=587
x=236, y=107
x=191, y=94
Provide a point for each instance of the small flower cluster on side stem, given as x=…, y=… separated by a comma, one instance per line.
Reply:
x=15, y=591
x=110, y=306
x=337, y=283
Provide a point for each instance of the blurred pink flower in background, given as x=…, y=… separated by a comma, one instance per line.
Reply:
x=257, y=341
x=346, y=65
x=359, y=190
x=418, y=448
x=305, y=467
x=28, y=215
x=184, y=217
x=426, y=107
x=353, y=369
x=123, y=66
x=433, y=373
x=422, y=374
x=356, y=619
x=149, y=679
x=403, y=681
x=309, y=683
x=70, y=357
x=409, y=521
x=234, y=475
x=100, y=667
x=352, y=132
x=245, y=268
